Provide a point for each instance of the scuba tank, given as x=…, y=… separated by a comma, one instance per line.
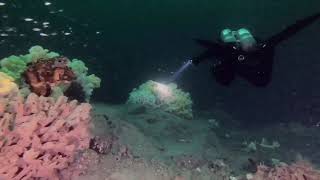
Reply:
x=246, y=40
x=242, y=38
x=228, y=36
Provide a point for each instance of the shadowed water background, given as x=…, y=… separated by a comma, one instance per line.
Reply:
x=142, y=40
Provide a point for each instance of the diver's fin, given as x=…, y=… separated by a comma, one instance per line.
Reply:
x=292, y=29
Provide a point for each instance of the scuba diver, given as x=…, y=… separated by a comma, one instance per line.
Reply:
x=238, y=53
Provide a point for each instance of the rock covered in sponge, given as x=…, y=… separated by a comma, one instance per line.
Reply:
x=167, y=97
x=46, y=138
x=7, y=85
x=43, y=76
x=88, y=82
x=14, y=66
x=37, y=73
x=8, y=92
x=38, y=53
x=297, y=171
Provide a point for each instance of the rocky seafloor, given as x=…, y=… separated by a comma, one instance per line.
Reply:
x=149, y=144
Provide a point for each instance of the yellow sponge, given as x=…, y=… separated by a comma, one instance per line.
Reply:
x=7, y=85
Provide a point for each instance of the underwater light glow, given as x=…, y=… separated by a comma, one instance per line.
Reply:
x=184, y=67
x=163, y=91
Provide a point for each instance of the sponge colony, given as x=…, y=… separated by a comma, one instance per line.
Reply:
x=164, y=96
x=7, y=85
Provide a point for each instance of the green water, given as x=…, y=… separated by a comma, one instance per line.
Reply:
x=127, y=42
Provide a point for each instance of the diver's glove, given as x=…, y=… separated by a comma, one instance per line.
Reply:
x=195, y=61
x=207, y=54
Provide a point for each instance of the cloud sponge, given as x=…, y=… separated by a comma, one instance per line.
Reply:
x=14, y=66
x=164, y=96
x=7, y=85
x=88, y=82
